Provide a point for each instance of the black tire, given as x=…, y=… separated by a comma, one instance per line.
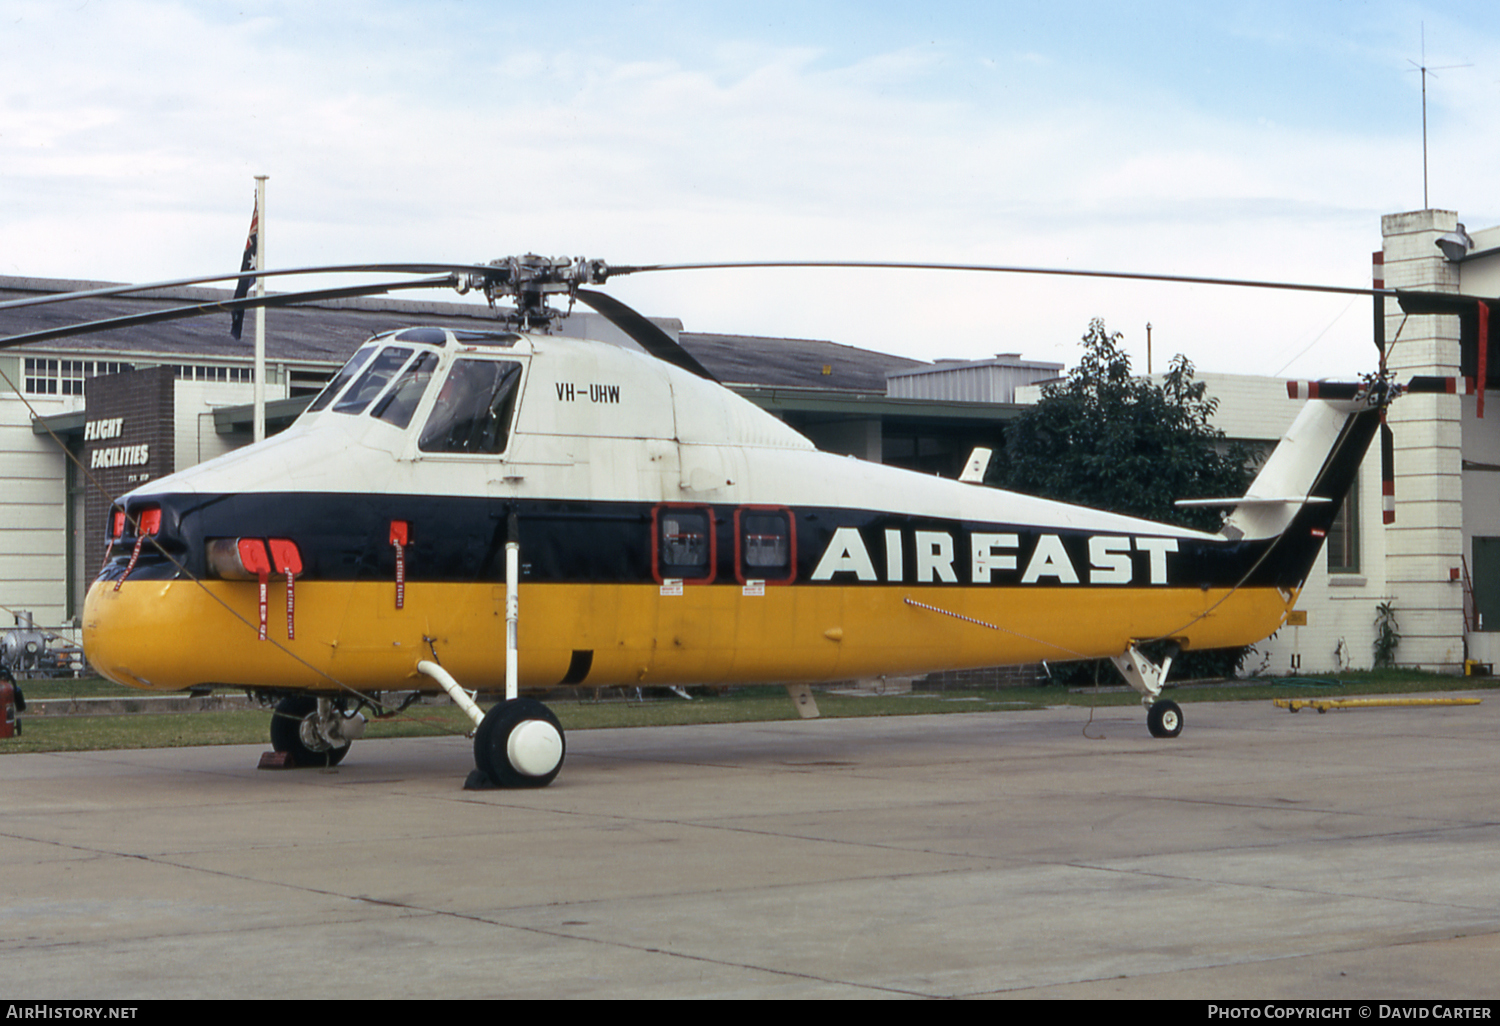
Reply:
x=1164, y=719
x=286, y=733
x=492, y=744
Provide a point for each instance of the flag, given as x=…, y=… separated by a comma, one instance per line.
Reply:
x=237, y=318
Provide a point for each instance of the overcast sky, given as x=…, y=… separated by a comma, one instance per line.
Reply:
x=1254, y=139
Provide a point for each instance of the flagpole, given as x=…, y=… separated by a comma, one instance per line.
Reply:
x=260, y=311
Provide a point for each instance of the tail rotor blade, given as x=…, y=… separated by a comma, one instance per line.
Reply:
x=1425, y=384
x=1387, y=472
x=1324, y=389
x=1378, y=281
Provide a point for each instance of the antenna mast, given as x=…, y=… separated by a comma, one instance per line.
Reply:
x=1425, y=70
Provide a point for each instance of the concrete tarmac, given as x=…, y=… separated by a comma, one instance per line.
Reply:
x=1350, y=855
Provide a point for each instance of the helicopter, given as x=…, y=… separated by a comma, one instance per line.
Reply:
x=657, y=529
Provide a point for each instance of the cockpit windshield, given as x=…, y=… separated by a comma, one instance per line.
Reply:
x=473, y=409
x=358, y=360
x=398, y=404
x=370, y=384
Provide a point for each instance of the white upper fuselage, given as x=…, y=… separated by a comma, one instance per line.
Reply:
x=599, y=422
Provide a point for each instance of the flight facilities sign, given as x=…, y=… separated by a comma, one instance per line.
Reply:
x=128, y=439
x=113, y=455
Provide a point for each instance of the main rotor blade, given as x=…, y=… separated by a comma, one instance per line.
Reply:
x=219, y=306
x=640, y=328
x=1004, y=269
x=121, y=290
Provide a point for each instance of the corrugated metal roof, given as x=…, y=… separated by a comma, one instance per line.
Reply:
x=799, y=362
x=973, y=381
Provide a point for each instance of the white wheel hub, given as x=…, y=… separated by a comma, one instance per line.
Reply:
x=534, y=748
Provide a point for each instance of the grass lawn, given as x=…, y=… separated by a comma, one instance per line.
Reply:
x=169, y=730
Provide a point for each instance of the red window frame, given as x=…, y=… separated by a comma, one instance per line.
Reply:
x=741, y=572
x=656, y=529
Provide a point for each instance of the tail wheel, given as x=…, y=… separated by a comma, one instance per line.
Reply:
x=293, y=730
x=520, y=744
x=1164, y=719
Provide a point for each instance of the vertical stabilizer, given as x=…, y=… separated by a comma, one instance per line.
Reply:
x=1308, y=475
x=1314, y=464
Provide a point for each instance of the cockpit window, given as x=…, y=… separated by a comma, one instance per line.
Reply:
x=398, y=404
x=358, y=360
x=473, y=409
x=369, y=384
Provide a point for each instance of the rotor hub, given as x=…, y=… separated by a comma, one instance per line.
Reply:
x=529, y=280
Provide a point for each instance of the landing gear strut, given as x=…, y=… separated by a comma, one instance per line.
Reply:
x=1163, y=716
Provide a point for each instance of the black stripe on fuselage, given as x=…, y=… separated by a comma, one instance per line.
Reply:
x=346, y=537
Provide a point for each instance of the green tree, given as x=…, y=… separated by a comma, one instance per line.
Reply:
x=1110, y=440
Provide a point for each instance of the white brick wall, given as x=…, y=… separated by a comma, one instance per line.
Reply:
x=1427, y=540
x=33, y=544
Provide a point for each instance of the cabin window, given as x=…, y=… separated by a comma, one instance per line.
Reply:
x=397, y=406
x=473, y=409
x=341, y=379
x=1343, y=536
x=765, y=546
x=684, y=544
x=373, y=381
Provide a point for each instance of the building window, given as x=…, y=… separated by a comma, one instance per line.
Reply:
x=235, y=375
x=66, y=377
x=41, y=376
x=1343, y=536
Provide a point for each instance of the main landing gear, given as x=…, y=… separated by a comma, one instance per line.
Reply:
x=518, y=743
x=1163, y=716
